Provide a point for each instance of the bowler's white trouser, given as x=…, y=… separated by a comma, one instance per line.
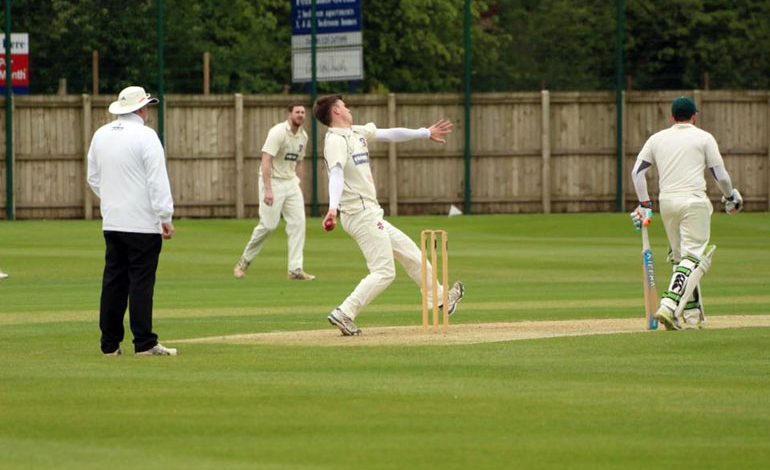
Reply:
x=380, y=242
x=687, y=219
x=289, y=202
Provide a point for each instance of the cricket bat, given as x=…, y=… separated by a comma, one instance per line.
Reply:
x=648, y=271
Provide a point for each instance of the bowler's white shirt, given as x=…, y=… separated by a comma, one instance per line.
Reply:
x=348, y=148
x=127, y=170
x=681, y=154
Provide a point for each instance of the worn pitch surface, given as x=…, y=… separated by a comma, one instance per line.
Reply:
x=471, y=333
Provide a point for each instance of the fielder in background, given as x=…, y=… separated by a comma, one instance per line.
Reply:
x=280, y=193
x=352, y=194
x=681, y=155
x=127, y=171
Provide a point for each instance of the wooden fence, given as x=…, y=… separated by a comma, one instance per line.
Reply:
x=531, y=152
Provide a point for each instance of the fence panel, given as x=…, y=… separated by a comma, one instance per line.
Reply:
x=214, y=143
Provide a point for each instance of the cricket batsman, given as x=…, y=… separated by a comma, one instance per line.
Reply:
x=681, y=154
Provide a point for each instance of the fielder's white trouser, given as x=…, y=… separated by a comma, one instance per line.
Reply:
x=687, y=220
x=289, y=203
x=380, y=242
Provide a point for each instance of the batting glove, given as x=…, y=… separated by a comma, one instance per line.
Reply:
x=642, y=215
x=733, y=203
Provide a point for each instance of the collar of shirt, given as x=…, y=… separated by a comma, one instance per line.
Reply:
x=343, y=131
x=289, y=129
x=131, y=117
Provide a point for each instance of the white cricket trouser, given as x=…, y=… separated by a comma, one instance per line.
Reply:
x=687, y=219
x=380, y=242
x=289, y=202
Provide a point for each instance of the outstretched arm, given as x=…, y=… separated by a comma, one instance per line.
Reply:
x=437, y=133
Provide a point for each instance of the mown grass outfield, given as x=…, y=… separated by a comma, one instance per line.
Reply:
x=694, y=399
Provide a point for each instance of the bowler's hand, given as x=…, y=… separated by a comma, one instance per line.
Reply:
x=168, y=230
x=330, y=221
x=440, y=130
x=268, y=197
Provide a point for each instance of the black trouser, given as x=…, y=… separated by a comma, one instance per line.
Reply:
x=129, y=279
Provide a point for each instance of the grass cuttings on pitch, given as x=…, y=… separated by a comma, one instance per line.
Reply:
x=672, y=400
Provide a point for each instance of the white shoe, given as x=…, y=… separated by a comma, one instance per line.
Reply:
x=117, y=352
x=158, y=350
x=693, y=319
x=345, y=324
x=456, y=294
x=3, y=276
x=300, y=275
x=239, y=271
x=666, y=316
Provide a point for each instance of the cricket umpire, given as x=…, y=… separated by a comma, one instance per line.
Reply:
x=681, y=154
x=127, y=171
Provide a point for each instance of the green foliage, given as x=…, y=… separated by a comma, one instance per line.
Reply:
x=249, y=43
x=559, y=44
x=417, y=45
x=409, y=45
x=672, y=44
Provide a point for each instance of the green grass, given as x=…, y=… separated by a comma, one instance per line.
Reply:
x=664, y=400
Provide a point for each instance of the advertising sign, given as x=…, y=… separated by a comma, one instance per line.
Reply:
x=339, y=50
x=19, y=63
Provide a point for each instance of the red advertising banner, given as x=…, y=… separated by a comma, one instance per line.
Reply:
x=19, y=62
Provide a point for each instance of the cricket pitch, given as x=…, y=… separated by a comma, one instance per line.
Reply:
x=470, y=333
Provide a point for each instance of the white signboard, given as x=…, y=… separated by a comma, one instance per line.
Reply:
x=339, y=44
x=331, y=64
x=327, y=40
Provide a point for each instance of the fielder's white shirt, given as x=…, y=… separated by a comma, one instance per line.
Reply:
x=287, y=149
x=348, y=148
x=681, y=154
x=127, y=170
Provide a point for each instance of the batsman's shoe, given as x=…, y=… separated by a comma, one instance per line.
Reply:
x=239, y=271
x=116, y=352
x=456, y=294
x=300, y=275
x=693, y=319
x=666, y=316
x=345, y=324
x=158, y=350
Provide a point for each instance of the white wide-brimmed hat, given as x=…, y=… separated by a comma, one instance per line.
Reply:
x=130, y=99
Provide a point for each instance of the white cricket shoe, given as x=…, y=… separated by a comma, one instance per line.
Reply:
x=345, y=324
x=456, y=294
x=117, y=352
x=300, y=275
x=693, y=319
x=158, y=350
x=3, y=276
x=239, y=271
x=666, y=316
